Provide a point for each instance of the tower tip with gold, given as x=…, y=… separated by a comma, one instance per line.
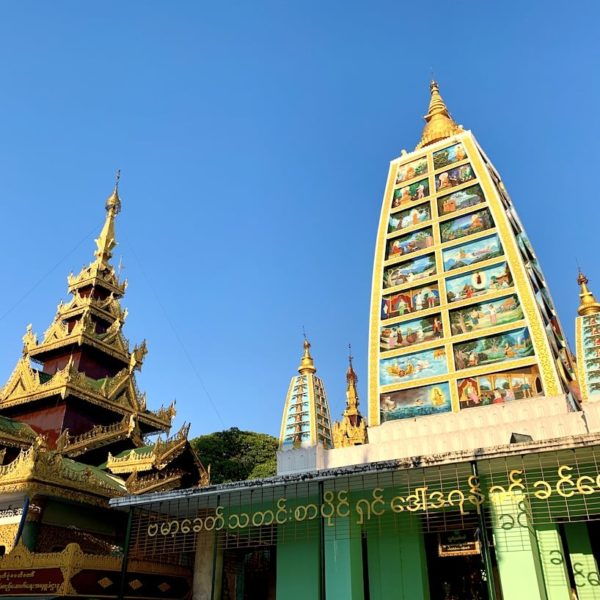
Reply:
x=306, y=420
x=106, y=241
x=587, y=301
x=439, y=124
x=587, y=340
x=352, y=429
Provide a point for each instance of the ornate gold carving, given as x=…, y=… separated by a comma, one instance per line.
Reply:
x=94, y=275
x=352, y=429
x=157, y=456
x=73, y=559
x=36, y=464
x=137, y=356
x=29, y=340
x=119, y=392
x=158, y=481
x=8, y=535
x=96, y=437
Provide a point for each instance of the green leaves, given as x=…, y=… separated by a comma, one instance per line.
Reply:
x=236, y=455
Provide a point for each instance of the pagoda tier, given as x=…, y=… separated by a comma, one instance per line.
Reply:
x=164, y=465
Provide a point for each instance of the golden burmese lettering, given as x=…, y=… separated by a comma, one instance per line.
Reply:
x=363, y=507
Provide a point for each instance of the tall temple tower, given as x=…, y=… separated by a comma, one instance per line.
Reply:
x=587, y=341
x=306, y=419
x=461, y=315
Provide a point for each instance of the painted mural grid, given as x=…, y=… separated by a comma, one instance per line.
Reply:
x=451, y=208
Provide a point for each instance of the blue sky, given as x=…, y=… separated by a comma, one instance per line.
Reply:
x=254, y=140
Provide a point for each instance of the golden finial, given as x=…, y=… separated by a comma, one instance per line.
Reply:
x=587, y=302
x=307, y=364
x=113, y=202
x=106, y=241
x=351, y=376
x=439, y=123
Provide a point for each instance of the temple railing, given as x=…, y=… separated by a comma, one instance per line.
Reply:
x=94, y=438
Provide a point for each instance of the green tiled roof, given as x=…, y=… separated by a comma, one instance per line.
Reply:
x=101, y=475
x=12, y=427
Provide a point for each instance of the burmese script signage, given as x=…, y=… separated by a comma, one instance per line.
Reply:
x=458, y=543
x=518, y=501
x=30, y=581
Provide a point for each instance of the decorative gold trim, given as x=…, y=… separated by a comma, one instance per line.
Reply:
x=376, y=296
x=120, y=392
x=72, y=560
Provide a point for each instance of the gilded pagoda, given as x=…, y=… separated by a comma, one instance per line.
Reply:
x=352, y=429
x=75, y=431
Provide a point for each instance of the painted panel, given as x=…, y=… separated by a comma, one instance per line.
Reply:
x=590, y=337
x=411, y=170
x=493, y=349
x=472, y=253
x=416, y=402
x=499, y=388
x=409, y=218
x=410, y=367
x=409, y=333
x=460, y=200
x=412, y=242
x=453, y=177
x=449, y=156
x=412, y=270
x=411, y=193
x=485, y=314
x=466, y=225
x=410, y=301
x=480, y=282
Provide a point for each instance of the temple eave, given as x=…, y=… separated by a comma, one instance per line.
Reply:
x=45, y=349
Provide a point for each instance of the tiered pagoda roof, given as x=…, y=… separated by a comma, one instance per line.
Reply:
x=71, y=413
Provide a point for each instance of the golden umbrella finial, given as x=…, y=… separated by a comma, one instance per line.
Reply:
x=307, y=364
x=106, y=242
x=113, y=202
x=587, y=302
x=439, y=123
x=351, y=376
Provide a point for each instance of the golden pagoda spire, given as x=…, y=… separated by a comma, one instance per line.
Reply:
x=351, y=393
x=439, y=123
x=106, y=241
x=587, y=302
x=352, y=429
x=307, y=364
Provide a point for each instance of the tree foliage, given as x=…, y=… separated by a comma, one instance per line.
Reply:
x=236, y=455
